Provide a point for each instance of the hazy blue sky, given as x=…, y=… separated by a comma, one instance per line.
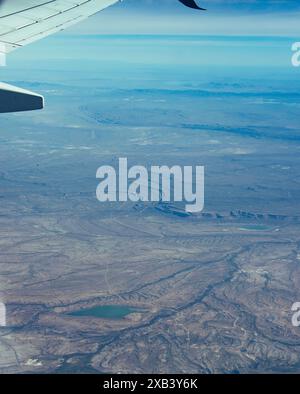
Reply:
x=271, y=17
x=250, y=5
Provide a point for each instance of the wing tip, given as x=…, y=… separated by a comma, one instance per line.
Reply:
x=14, y=99
x=192, y=4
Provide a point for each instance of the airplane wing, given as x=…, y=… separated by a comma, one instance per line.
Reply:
x=192, y=4
x=25, y=21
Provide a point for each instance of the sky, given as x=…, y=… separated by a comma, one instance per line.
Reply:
x=232, y=17
x=274, y=18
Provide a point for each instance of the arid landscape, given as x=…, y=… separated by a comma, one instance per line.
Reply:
x=124, y=287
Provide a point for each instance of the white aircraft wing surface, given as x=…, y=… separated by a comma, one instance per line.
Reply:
x=26, y=21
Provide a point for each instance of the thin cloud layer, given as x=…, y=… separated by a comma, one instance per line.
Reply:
x=229, y=17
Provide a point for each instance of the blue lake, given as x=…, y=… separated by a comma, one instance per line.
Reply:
x=104, y=312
